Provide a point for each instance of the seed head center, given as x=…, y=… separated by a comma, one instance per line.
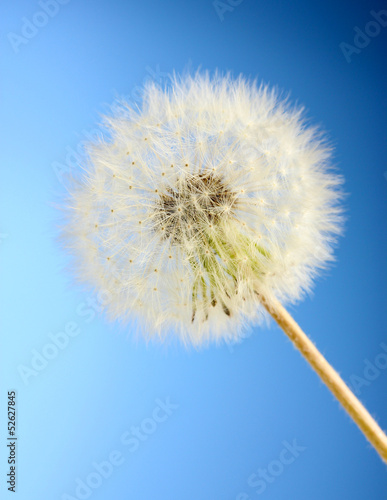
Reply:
x=192, y=204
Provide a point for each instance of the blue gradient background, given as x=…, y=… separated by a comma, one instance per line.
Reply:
x=236, y=406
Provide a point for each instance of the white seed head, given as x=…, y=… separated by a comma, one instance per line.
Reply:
x=210, y=194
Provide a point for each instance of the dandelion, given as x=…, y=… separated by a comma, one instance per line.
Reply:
x=209, y=206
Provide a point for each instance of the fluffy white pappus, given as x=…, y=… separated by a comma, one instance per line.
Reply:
x=212, y=193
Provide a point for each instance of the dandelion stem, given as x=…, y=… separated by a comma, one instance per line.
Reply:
x=330, y=377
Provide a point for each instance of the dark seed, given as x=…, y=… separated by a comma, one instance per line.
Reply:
x=226, y=310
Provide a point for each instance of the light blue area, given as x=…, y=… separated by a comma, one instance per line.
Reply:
x=237, y=407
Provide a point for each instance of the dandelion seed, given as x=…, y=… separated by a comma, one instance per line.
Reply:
x=218, y=213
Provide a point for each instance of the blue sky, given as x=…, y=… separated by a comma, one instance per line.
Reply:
x=176, y=423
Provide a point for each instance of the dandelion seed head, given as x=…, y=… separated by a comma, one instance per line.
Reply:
x=211, y=193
